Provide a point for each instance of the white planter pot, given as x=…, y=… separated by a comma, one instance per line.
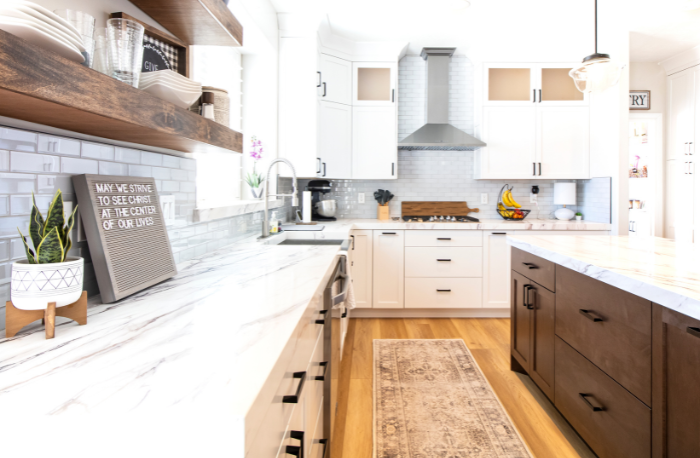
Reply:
x=33, y=286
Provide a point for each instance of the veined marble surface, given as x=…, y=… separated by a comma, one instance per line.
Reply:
x=483, y=225
x=657, y=269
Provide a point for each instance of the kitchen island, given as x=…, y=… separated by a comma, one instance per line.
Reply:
x=609, y=329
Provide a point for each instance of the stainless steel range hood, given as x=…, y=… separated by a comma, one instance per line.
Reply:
x=438, y=133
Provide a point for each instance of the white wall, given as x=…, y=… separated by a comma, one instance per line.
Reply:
x=649, y=76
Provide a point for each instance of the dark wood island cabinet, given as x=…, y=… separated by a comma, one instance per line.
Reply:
x=624, y=372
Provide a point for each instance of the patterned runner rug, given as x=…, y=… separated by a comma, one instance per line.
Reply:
x=431, y=400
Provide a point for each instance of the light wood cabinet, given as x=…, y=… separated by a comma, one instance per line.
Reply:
x=335, y=79
x=374, y=84
x=361, y=267
x=374, y=140
x=334, y=140
x=388, y=275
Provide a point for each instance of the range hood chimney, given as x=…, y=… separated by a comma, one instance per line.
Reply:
x=438, y=134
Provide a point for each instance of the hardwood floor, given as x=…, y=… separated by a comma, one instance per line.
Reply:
x=544, y=430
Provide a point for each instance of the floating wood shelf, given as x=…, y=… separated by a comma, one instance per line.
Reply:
x=196, y=22
x=39, y=86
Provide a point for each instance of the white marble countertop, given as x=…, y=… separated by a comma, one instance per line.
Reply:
x=657, y=269
x=204, y=341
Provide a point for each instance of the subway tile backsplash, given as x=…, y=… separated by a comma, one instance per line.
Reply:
x=41, y=164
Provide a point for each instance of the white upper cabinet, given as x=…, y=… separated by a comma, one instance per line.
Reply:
x=335, y=80
x=563, y=143
x=374, y=84
x=531, y=84
x=681, y=95
x=334, y=140
x=374, y=150
x=510, y=134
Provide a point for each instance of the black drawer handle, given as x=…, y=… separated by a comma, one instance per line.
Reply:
x=444, y=260
x=323, y=321
x=498, y=233
x=694, y=331
x=294, y=399
x=530, y=265
x=590, y=316
x=444, y=290
x=444, y=238
x=325, y=446
x=345, y=314
x=585, y=397
x=295, y=450
x=388, y=233
x=324, y=365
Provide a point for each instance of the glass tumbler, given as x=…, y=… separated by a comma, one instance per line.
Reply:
x=100, y=60
x=86, y=28
x=125, y=50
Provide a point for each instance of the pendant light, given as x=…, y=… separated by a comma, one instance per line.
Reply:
x=597, y=72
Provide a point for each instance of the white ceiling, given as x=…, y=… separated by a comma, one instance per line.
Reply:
x=660, y=29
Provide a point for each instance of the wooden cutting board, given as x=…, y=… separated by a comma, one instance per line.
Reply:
x=436, y=209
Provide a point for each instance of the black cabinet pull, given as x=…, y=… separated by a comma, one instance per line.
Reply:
x=325, y=446
x=540, y=91
x=294, y=398
x=392, y=95
x=388, y=233
x=534, y=169
x=444, y=290
x=585, y=397
x=498, y=233
x=319, y=79
x=344, y=314
x=540, y=166
x=534, y=96
x=324, y=169
x=589, y=315
x=324, y=90
x=295, y=450
x=324, y=365
x=444, y=260
x=694, y=331
x=526, y=296
x=318, y=160
x=530, y=265
x=323, y=321
x=353, y=242
x=444, y=238
x=392, y=169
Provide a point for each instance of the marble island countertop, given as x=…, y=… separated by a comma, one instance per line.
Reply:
x=656, y=269
x=483, y=224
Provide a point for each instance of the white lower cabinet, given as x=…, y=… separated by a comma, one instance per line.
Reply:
x=361, y=267
x=445, y=262
x=496, y=269
x=443, y=293
x=388, y=268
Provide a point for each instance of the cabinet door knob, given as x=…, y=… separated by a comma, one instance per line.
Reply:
x=294, y=398
x=594, y=408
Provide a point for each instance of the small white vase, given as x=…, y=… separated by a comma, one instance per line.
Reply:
x=257, y=192
x=33, y=286
x=579, y=217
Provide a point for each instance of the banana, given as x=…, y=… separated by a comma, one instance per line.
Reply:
x=513, y=203
x=506, y=199
x=501, y=207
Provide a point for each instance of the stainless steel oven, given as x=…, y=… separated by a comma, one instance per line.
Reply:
x=334, y=295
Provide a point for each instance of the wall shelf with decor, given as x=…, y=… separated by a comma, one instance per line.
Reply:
x=39, y=86
x=196, y=22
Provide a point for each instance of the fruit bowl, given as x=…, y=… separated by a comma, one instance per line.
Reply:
x=513, y=214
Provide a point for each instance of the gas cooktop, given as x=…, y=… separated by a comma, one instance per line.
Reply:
x=440, y=219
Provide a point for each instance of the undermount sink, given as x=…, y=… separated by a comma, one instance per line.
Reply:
x=311, y=242
x=307, y=238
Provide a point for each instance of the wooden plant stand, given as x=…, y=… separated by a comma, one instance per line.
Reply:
x=16, y=319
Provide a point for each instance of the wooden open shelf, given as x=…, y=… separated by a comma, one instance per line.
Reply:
x=39, y=86
x=196, y=22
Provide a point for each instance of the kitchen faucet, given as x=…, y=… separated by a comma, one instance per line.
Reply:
x=293, y=195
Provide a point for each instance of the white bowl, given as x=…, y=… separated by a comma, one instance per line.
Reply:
x=181, y=98
x=35, y=36
x=33, y=286
x=182, y=87
x=186, y=84
x=42, y=14
x=18, y=16
x=169, y=75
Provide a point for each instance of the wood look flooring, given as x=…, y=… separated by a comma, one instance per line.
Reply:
x=544, y=430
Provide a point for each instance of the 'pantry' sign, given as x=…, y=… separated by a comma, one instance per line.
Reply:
x=125, y=231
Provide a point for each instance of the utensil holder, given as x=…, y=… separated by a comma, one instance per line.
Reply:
x=383, y=211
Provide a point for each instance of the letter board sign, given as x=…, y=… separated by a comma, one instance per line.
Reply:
x=125, y=231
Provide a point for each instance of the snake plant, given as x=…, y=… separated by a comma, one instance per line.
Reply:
x=50, y=236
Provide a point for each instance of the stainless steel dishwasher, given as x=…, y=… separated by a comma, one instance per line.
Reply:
x=334, y=295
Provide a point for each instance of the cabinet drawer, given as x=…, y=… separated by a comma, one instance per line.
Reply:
x=622, y=428
x=443, y=293
x=314, y=389
x=445, y=262
x=533, y=267
x=296, y=423
x=443, y=238
x=610, y=327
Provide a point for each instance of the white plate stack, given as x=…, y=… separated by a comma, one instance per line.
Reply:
x=41, y=27
x=171, y=87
